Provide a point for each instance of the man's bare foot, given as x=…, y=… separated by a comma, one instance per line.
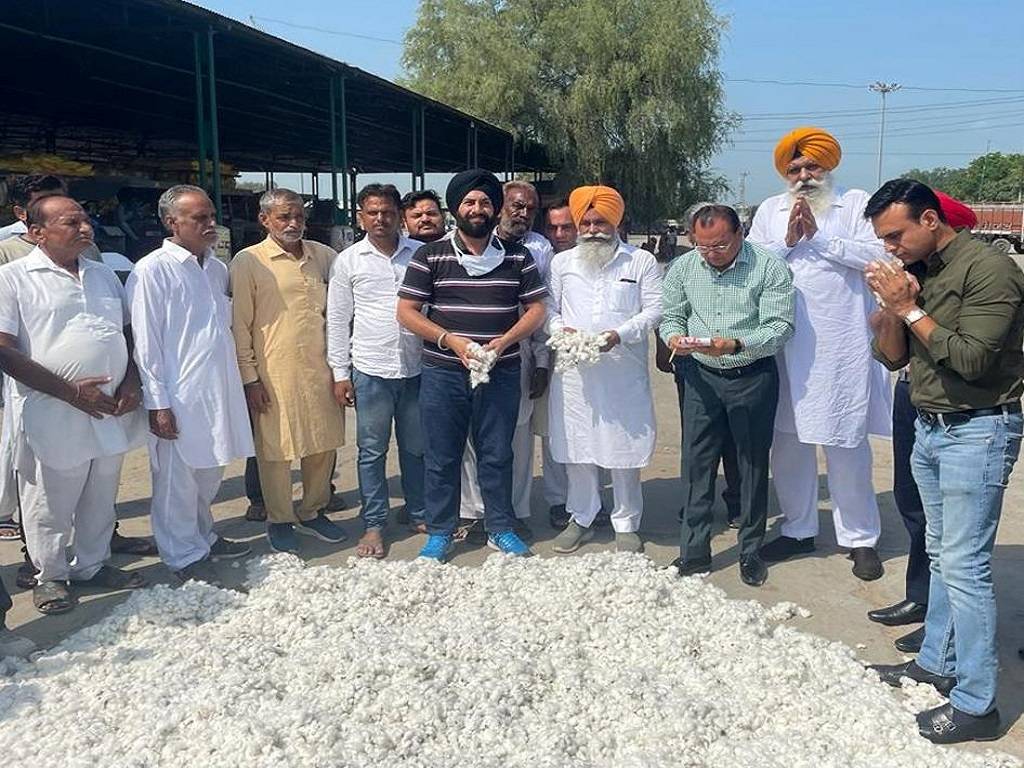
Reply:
x=371, y=544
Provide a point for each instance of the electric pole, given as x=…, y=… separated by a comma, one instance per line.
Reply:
x=882, y=88
x=743, y=188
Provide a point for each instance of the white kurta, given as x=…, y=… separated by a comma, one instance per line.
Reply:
x=603, y=413
x=181, y=318
x=831, y=390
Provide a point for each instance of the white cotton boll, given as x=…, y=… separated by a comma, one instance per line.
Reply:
x=602, y=660
x=575, y=348
x=480, y=363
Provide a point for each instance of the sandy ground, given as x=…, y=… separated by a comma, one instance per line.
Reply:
x=822, y=583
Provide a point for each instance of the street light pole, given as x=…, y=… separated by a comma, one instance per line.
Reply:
x=882, y=88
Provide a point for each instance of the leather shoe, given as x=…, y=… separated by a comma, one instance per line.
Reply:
x=948, y=725
x=866, y=565
x=692, y=567
x=910, y=643
x=904, y=612
x=786, y=547
x=753, y=571
x=891, y=674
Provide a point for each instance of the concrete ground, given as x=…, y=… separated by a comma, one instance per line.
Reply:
x=822, y=583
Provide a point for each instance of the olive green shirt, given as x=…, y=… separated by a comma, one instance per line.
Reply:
x=974, y=357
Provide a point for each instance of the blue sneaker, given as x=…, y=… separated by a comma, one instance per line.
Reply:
x=438, y=547
x=321, y=528
x=282, y=538
x=509, y=543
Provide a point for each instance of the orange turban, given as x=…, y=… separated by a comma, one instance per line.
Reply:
x=605, y=200
x=815, y=143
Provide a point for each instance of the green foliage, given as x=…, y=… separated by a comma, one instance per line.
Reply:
x=624, y=92
x=991, y=178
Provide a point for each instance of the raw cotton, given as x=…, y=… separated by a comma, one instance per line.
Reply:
x=575, y=348
x=603, y=660
x=480, y=363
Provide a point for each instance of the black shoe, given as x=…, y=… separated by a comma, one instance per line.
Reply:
x=910, y=643
x=753, y=571
x=904, y=612
x=603, y=520
x=891, y=674
x=691, y=567
x=402, y=516
x=558, y=517
x=733, y=521
x=336, y=503
x=786, y=547
x=256, y=513
x=948, y=725
x=866, y=565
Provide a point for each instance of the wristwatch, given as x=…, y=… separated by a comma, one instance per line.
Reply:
x=914, y=315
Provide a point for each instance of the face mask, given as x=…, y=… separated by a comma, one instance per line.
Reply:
x=487, y=261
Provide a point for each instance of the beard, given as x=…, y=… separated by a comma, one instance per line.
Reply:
x=597, y=250
x=817, y=192
x=475, y=228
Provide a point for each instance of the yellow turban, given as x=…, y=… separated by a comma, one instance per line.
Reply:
x=815, y=143
x=605, y=200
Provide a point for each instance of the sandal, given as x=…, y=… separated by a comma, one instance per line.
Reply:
x=109, y=577
x=10, y=531
x=51, y=597
x=132, y=545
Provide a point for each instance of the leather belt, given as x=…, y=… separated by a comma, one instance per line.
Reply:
x=956, y=418
x=764, y=364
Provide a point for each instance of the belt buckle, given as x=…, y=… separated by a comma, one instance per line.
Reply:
x=927, y=418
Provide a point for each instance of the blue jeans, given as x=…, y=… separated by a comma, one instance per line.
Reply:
x=451, y=411
x=961, y=473
x=380, y=401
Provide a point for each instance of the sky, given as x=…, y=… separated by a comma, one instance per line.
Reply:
x=960, y=65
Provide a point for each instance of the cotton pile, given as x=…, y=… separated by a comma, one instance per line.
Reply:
x=480, y=363
x=575, y=348
x=600, y=660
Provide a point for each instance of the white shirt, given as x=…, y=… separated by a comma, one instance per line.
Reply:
x=74, y=327
x=181, y=318
x=603, y=413
x=831, y=390
x=363, y=292
x=13, y=230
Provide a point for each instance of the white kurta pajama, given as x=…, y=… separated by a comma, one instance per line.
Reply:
x=602, y=415
x=832, y=392
x=181, y=317
x=533, y=354
x=68, y=463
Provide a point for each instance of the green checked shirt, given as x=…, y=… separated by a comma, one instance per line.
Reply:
x=751, y=300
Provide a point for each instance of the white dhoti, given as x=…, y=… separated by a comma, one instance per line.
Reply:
x=854, y=506
x=180, y=510
x=471, y=505
x=69, y=504
x=584, y=501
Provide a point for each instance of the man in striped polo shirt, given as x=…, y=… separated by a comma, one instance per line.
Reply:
x=475, y=288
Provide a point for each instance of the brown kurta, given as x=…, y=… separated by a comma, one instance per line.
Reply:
x=278, y=306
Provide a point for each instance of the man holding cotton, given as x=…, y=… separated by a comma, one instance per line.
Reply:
x=831, y=392
x=602, y=414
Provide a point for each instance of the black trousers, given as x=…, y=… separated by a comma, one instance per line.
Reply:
x=739, y=404
x=731, y=494
x=904, y=491
x=5, y=604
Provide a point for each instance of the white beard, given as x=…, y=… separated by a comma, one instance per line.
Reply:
x=596, y=253
x=818, y=194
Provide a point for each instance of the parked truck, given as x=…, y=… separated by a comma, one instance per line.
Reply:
x=1001, y=224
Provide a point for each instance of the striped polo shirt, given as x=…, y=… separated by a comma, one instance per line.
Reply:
x=480, y=308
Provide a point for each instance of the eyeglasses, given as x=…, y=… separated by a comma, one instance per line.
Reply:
x=706, y=249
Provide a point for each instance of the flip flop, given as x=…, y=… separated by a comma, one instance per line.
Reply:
x=109, y=577
x=51, y=597
x=10, y=531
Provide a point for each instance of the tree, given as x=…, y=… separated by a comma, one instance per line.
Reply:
x=991, y=178
x=624, y=92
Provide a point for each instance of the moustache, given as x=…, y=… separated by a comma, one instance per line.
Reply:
x=597, y=237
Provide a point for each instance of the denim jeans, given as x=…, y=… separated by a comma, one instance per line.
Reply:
x=380, y=401
x=451, y=411
x=961, y=473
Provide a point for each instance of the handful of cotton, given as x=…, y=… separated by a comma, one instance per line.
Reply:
x=575, y=348
x=894, y=266
x=480, y=363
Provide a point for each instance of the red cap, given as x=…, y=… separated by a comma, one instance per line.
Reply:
x=957, y=214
